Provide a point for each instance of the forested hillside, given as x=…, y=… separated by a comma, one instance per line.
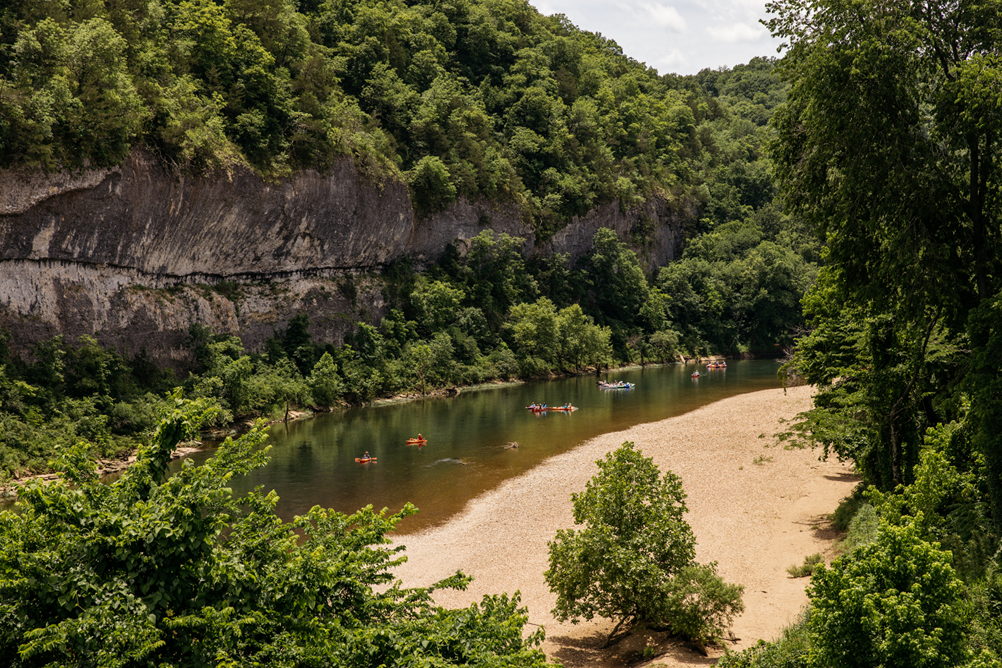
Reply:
x=888, y=145
x=471, y=99
x=467, y=99
x=485, y=99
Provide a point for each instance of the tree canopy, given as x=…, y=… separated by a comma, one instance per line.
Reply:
x=153, y=570
x=633, y=561
x=889, y=146
x=474, y=98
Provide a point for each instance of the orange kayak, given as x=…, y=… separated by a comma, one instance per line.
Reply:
x=416, y=441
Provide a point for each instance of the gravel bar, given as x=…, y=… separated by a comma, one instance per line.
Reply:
x=756, y=508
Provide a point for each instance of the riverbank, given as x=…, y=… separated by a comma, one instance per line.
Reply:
x=755, y=508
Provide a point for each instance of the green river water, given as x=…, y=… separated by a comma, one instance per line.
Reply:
x=313, y=461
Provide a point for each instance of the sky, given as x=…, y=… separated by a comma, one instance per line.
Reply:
x=680, y=36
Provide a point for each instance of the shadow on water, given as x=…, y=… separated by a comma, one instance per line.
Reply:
x=313, y=461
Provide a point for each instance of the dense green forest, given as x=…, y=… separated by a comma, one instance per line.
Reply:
x=888, y=146
x=485, y=99
x=461, y=99
x=446, y=96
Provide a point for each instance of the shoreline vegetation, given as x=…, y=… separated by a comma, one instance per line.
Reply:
x=777, y=507
x=490, y=315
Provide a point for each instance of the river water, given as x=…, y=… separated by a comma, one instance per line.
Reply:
x=313, y=461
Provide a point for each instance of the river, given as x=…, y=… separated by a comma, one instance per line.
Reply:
x=313, y=461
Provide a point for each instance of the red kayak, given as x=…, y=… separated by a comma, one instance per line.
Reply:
x=363, y=460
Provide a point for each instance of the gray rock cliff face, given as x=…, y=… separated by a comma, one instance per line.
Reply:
x=129, y=254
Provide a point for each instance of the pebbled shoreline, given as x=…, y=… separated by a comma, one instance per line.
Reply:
x=754, y=519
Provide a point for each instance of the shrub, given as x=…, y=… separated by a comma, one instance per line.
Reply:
x=862, y=528
x=895, y=602
x=789, y=651
x=848, y=507
x=810, y=564
x=633, y=561
x=431, y=186
x=984, y=599
x=700, y=605
x=153, y=570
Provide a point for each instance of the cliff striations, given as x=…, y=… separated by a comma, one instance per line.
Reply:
x=136, y=253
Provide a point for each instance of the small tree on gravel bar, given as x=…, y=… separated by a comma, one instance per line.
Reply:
x=634, y=560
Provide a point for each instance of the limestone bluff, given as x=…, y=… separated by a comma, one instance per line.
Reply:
x=134, y=254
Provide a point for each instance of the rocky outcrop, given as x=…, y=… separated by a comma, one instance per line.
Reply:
x=136, y=253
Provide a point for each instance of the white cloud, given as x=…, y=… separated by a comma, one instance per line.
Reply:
x=682, y=36
x=736, y=33
x=670, y=60
x=664, y=16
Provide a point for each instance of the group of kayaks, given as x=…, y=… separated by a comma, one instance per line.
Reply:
x=542, y=408
x=712, y=365
x=369, y=459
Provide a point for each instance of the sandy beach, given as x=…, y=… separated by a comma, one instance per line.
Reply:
x=755, y=507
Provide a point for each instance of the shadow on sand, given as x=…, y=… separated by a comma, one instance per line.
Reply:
x=586, y=650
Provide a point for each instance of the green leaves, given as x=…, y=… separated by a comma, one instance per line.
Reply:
x=633, y=561
x=893, y=602
x=880, y=149
x=71, y=88
x=431, y=188
x=151, y=571
x=543, y=336
x=732, y=287
x=485, y=99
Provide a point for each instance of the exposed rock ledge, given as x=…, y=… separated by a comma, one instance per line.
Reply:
x=75, y=249
x=22, y=189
